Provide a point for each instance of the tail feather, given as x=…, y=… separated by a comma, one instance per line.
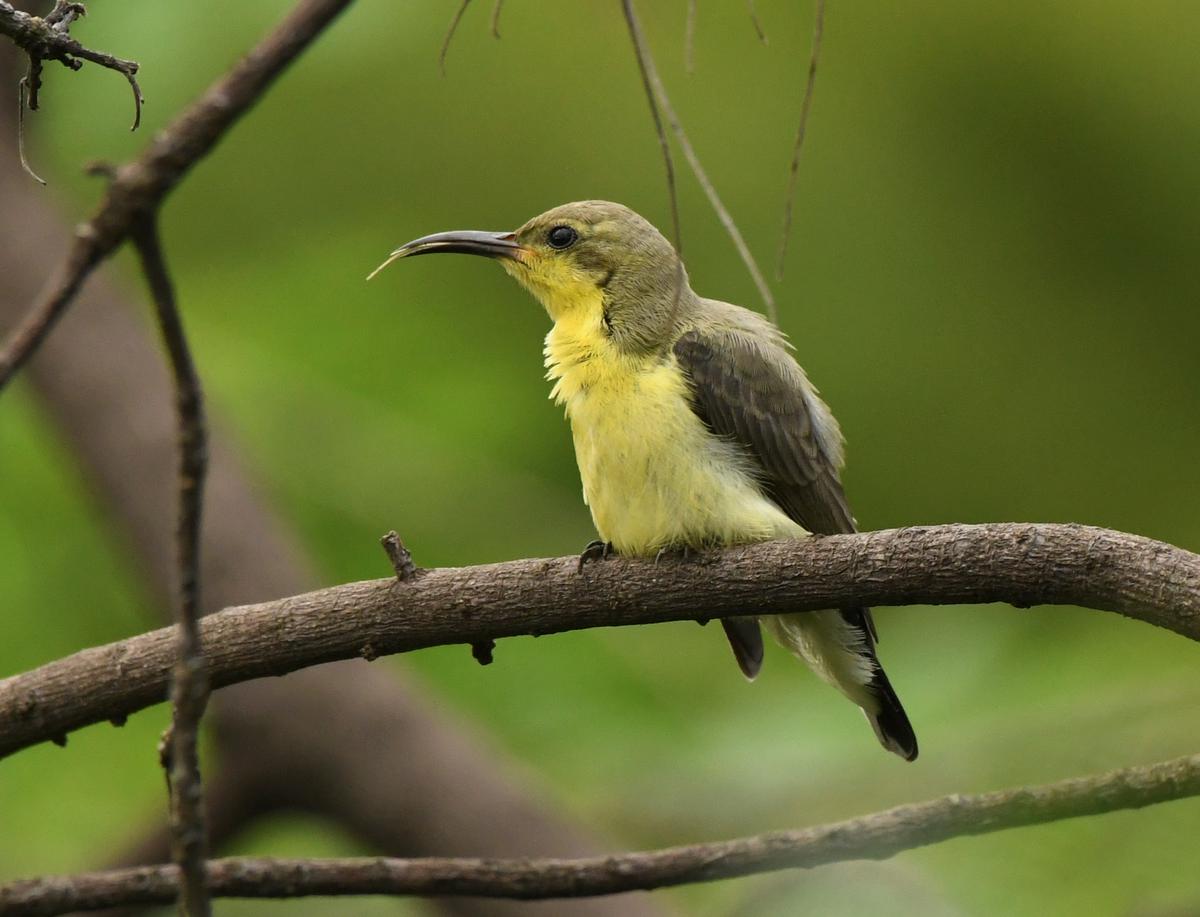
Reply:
x=745, y=639
x=840, y=647
x=890, y=722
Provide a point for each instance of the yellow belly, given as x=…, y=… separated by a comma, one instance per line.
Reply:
x=653, y=475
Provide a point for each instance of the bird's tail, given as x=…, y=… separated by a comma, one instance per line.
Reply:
x=890, y=722
x=840, y=647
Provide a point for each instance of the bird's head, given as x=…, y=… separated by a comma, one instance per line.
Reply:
x=587, y=261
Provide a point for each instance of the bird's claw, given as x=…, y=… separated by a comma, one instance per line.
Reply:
x=675, y=552
x=595, y=550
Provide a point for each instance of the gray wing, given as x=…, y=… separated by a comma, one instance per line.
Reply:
x=750, y=390
x=755, y=394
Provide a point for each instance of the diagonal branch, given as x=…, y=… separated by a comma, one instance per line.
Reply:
x=139, y=187
x=657, y=93
x=801, y=130
x=754, y=21
x=458, y=15
x=645, y=62
x=689, y=38
x=1021, y=563
x=496, y=11
x=873, y=837
x=189, y=682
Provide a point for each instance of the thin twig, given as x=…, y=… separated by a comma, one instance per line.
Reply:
x=689, y=38
x=189, y=684
x=496, y=18
x=142, y=185
x=805, y=107
x=657, y=91
x=458, y=15
x=49, y=39
x=62, y=286
x=646, y=67
x=21, y=84
x=754, y=20
x=1020, y=563
x=878, y=836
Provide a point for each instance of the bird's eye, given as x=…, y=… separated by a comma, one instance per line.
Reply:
x=561, y=237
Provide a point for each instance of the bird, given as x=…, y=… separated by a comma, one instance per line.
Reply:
x=694, y=427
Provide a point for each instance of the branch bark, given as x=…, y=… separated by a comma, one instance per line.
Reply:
x=873, y=837
x=1023, y=564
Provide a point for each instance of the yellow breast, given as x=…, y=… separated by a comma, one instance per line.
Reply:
x=653, y=475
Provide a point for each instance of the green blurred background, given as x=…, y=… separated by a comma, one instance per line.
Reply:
x=993, y=279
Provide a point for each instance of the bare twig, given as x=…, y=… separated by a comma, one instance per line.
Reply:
x=49, y=39
x=689, y=38
x=657, y=92
x=754, y=20
x=496, y=10
x=805, y=107
x=189, y=685
x=1021, y=563
x=141, y=186
x=646, y=67
x=458, y=15
x=869, y=837
x=21, y=85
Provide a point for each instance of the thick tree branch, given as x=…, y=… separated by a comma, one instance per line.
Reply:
x=873, y=837
x=1023, y=564
x=139, y=187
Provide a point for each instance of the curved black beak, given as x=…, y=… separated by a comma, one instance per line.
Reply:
x=461, y=242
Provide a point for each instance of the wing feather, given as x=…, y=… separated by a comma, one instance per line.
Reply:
x=755, y=393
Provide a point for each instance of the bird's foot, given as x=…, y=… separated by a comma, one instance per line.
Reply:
x=595, y=550
x=682, y=552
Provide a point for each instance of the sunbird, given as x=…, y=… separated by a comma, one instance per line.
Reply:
x=694, y=426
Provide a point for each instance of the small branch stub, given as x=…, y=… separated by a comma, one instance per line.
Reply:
x=482, y=652
x=399, y=555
